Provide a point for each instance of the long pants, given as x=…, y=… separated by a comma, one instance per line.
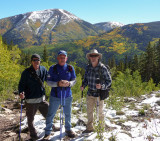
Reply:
x=91, y=103
x=31, y=110
x=54, y=104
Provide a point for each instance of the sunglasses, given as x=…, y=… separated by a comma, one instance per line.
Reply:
x=93, y=55
x=35, y=60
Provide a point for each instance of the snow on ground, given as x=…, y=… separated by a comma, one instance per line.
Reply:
x=127, y=127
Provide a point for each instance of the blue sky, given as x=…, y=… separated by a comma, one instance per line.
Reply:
x=93, y=11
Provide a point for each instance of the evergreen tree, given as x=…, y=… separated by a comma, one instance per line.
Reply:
x=126, y=62
x=109, y=63
x=157, y=63
x=10, y=46
x=25, y=59
x=149, y=63
x=135, y=63
x=45, y=54
x=121, y=66
x=142, y=68
x=113, y=62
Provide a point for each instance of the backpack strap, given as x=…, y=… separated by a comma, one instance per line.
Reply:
x=100, y=71
x=68, y=66
x=55, y=68
x=35, y=76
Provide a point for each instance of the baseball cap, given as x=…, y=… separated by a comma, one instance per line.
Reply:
x=35, y=56
x=62, y=52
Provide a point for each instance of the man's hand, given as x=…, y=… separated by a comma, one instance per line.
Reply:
x=98, y=86
x=63, y=83
x=22, y=96
x=82, y=88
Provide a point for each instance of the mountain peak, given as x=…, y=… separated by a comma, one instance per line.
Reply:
x=107, y=26
x=44, y=15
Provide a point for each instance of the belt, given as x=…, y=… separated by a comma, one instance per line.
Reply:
x=93, y=91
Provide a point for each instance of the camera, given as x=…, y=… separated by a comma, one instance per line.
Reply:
x=97, y=80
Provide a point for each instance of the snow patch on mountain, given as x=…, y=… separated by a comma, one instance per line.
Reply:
x=107, y=26
x=51, y=17
x=43, y=16
x=112, y=24
x=69, y=15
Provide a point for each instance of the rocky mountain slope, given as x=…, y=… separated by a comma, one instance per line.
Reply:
x=45, y=27
x=127, y=40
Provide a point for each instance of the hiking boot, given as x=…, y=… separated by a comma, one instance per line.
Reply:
x=87, y=131
x=46, y=137
x=70, y=134
x=55, y=128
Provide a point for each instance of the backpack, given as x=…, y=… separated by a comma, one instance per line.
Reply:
x=108, y=68
x=104, y=93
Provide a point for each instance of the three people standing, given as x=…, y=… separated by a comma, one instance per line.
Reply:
x=61, y=77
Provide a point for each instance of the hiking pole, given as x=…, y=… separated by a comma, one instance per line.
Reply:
x=62, y=114
x=81, y=108
x=20, y=121
x=98, y=82
x=61, y=117
x=81, y=101
x=98, y=108
x=63, y=105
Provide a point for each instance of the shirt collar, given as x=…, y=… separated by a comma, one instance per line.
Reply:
x=62, y=67
x=97, y=67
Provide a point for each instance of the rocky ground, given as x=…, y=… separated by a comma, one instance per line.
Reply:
x=138, y=120
x=10, y=119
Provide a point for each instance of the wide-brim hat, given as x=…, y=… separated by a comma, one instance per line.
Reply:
x=93, y=51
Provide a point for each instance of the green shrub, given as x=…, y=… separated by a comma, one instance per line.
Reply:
x=141, y=112
x=100, y=130
x=113, y=138
x=9, y=70
x=115, y=102
x=128, y=85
